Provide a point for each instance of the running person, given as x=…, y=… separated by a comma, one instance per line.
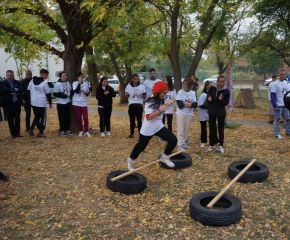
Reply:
x=136, y=93
x=152, y=125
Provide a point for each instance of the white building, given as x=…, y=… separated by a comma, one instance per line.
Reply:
x=48, y=63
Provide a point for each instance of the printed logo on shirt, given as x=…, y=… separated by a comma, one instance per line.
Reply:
x=37, y=89
x=64, y=89
x=81, y=93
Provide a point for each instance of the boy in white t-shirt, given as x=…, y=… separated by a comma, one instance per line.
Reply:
x=39, y=94
x=278, y=91
x=149, y=83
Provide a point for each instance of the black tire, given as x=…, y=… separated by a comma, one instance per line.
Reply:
x=132, y=184
x=258, y=172
x=181, y=161
x=230, y=213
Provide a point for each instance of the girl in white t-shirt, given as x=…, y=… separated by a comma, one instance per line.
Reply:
x=169, y=100
x=202, y=113
x=186, y=102
x=136, y=93
x=80, y=102
x=152, y=125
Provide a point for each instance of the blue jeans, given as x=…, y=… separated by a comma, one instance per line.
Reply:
x=284, y=113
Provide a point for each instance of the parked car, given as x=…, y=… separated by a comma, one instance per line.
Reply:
x=268, y=81
x=51, y=87
x=114, y=83
x=212, y=79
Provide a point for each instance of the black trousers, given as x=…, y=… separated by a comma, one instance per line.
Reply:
x=27, y=108
x=135, y=111
x=213, y=139
x=169, y=121
x=105, y=118
x=13, y=117
x=163, y=133
x=39, y=118
x=63, y=111
x=203, y=133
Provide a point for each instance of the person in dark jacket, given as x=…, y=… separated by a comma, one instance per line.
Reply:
x=218, y=97
x=12, y=101
x=26, y=98
x=105, y=94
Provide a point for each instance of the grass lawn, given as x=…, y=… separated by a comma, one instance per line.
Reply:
x=57, y=187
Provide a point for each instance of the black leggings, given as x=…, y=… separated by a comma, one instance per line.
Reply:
x=105, y=118
x=163, y=133
x=135, y=111
x=63, y=111
x=203, y=133
x=169, y=121
x=213, y=139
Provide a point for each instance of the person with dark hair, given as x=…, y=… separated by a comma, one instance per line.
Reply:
x=26, y=98
x=80, y=103
x=169, y=100
x=105, y=94
x=186, y=102
x=62, y=92
x=202, y=113
x=149, y=83
x=152, y=125
x=136, y=93
x=39, y=95
x=218, y=97
x=271, y=109
x=11, y=101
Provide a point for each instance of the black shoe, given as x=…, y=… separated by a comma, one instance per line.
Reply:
x=41, y=136
x=13, y=137
x=3, y=177
x=19, y=135
x=30, y=132
x=130, y=136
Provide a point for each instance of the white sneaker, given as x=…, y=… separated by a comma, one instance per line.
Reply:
x=88, y=134
x=81, y=134
x=221, y=148
x=180, y=148
x=165, y=159
x=62, y=134
x=185, y=146
x=187, y=141
x=278, y=136
x=210, y=148
x=68, y=132
x=130, y=164
x=103, y=134
x=109, y=133
x=202, y=145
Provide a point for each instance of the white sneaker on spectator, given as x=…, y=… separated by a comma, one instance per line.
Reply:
x=130, y=164
x=62, y=134
x=88, y=134
x=80, y=133
x=103, y=134
x=180, y=148
x=68, y=132
x=210, y=148
x=278, y=136
x=221, y=148
x=109, y=133
x=202, y=145
x=185, y=146
x=166, y=159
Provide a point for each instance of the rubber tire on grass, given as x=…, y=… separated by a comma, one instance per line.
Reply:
x=181, y=161
x=258, y=172
x=231, y=212
x=132, y=184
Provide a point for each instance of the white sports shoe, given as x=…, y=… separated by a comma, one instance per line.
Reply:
x=130, y=164
x=165, y=159
x=103, y=134
x=210, y=148
x=180, y=148
x=185, y=146
x=202, y=145
x=278, y=136
x=88, y=134
x=80, y=133
x=109, y=133
x=221, y=148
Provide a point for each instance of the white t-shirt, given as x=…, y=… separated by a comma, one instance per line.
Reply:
x=148, y=84
x=170, y=95
x=202, y=113
x=65, y=88
x=185, y=96
x=80, y=98
x=134, y=93
x=38, y=93
x=151, y=127
x=280, y=88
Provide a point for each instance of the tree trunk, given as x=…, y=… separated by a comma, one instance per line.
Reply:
x=73, y=58
x=92, y=66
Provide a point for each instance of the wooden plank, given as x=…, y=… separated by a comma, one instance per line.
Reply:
x=248, y=98
x=240, y=100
